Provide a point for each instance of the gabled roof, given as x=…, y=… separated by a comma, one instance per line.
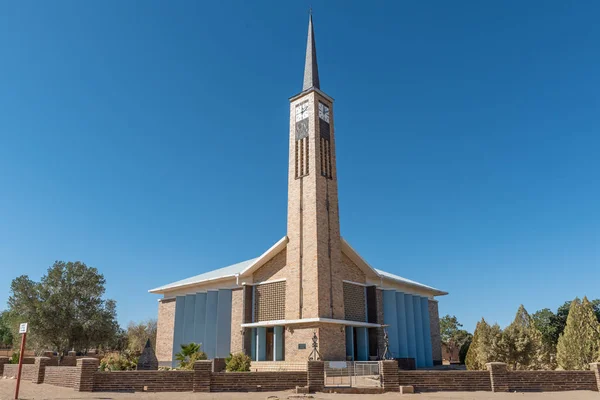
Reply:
x=246, y=268
x=221, y=273
x=243, y=268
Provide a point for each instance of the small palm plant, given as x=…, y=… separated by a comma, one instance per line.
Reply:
x=189, y=354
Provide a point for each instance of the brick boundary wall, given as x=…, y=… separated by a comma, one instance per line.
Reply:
x=27, y=372
x=315, y=376
x=86, y=377
x=504, y=380
x=438, y=381
x=389, y=375
x=256, y=381
x=86, y=370
x=61, y=376
x=140, y=381
x=3, y=362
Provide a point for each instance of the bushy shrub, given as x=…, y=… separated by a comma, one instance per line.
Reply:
x=238, y=362
x=189, y=354
x=14, y=359
x=124, y=361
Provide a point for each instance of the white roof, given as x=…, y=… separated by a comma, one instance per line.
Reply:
x=408, y=282
x=249, y=266
x=226, y=272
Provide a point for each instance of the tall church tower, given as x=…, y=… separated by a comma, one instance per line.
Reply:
x=313, y=228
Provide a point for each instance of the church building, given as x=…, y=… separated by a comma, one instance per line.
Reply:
x=311, y=281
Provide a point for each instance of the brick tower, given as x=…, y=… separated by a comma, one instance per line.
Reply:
x=313, y=228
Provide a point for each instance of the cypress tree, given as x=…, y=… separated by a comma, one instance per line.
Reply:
x=522, y=342
x=579, y=344
x=472, y=361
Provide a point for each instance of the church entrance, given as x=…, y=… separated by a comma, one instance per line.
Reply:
x=270, y=342
x=357, y=343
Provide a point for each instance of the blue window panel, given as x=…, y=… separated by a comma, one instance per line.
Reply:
x=350, y=342
x=410, y=326
x=261, y=343
x=210, y=333
x=278, y=335
x=223, y=323
x=200, y=319
x=189, y=314
x=402, y=332
x=362, y=344
x=419, y=332
x=390, y=318
x=253, y=346
x=427, y=332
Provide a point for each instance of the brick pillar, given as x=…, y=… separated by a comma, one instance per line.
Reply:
x=40, y=369
x=498, y=372
x=86, y=371
x=202, y=372
x=596, y=368
x=218, y=365
x=389, y=375
x=3, y=360
x=316, y=376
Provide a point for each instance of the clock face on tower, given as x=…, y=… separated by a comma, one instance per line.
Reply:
x=323, y=112
x=302, y=120
x=302, y=111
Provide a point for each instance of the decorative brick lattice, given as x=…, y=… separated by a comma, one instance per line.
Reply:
x=269, y=301
x=354, y=302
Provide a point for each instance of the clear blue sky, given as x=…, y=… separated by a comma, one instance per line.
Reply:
x=149, y=139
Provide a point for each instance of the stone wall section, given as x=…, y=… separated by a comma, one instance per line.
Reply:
x=165, y=331
x=273, y=269
x=389, y=375
x=256, y=381
x=503, y=380
x=86, y=371
x=237, y=311
x=436, y=339
x=332, y=342
x=27, y=373
x=294, y=337
x=446, y=381
x=140, y=381
x=61, y=376
x=350, y=271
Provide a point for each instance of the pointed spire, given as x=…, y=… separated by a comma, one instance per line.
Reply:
x=311, y=71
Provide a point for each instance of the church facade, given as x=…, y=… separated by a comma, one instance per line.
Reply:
x=311, y=281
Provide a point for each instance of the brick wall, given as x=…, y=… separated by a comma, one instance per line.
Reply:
x=155, y=381
x=61, y=376
x=273, y=269
x=164, y=331
x=434, y=326
x=433, y=381
x=256, y=381
x=354, y=302
x=27, y=373
x=269, y=301
x=237, y=311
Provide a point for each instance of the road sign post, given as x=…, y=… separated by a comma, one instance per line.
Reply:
x=22, y=330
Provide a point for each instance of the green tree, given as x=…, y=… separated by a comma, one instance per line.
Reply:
x=139, y=333
x=485, y=346
x=189, y=354
x=66, y=308
x=451, y=335
x=6, y=335
x=579, y=344
x=522, y=342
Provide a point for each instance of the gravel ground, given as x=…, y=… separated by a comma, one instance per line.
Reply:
x=31, y=391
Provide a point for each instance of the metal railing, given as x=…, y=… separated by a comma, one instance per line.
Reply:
x=352, y=374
